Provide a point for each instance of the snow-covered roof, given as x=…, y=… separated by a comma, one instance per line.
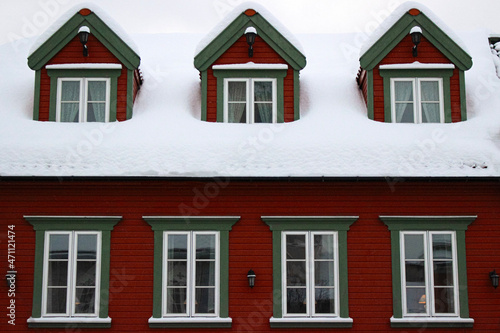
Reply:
x=111, y=23
x=397, y=14
x=333, y=138
x=235, y=13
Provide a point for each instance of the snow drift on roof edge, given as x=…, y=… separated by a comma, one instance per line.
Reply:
x=112, y=24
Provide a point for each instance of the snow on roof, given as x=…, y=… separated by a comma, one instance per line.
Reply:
x=111, y=23
x=207, y=39
x=396, y=15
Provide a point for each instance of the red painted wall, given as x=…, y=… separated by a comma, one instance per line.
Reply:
x=402, y=53
x=250, y=243
x=72, y=54
x=238, y=54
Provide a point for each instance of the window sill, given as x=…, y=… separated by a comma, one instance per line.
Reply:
x=310, y=322
x=176, y=322
x=432, y=322
x=66, y=322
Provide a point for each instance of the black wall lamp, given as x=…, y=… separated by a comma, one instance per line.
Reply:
x=494, y=279
x=416, y=36
x=251, y=278
x=10, y=277
x=250, y=34
x=83, y=34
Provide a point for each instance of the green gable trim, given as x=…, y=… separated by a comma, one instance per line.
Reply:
x=341, y=224
x=463, y=99
x=296, y=95
x=430, y=30
x=204, y=87
x=159, y=224
x=41, y=224
x=130, y=94
x=205, y=58
x=278, y=74
x=369, y=95
x=36, y=99
x=445, y=74
x=459, y=224
x=113, y=74
x=70, y=29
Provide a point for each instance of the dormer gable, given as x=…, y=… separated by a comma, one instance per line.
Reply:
x=245, y=86
x=74, y=86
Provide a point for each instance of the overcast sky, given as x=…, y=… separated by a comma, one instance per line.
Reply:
x=28, y=18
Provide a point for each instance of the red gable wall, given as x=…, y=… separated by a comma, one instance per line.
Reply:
x=72, y=54
x=238, y=54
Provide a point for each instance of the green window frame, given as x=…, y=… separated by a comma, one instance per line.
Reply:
x=389, y=75
x=452, y=225
x=280, y=225
x=45, y=226
x=163, y=225
x=57, y=75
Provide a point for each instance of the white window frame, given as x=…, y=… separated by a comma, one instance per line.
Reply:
x=417, y=100
x=191, y=275
x=250, y=103
x=429, y=274
x=82, y=115
x=310, y=286
x=71, y=278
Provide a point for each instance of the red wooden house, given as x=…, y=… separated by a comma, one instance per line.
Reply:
x=101, y=247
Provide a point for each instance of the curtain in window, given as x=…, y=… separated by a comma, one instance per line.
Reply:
x=70, y=101
x=403, y=98
x=237, y=95
x=96, y=101
x=57, y=281
x=263, y=98
x=429, y=91
x=205, y=274
x=177, y=265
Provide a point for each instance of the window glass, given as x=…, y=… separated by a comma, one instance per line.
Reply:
x=83, y=99
x=403, y=91
x=263, y=99
x=430, y=103
x=237, y=93
x=70, y=101
x=96, y=101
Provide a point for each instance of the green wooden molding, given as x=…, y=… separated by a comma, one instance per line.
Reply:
x=459, y=224
x=36, y=99
x=296, y=95
x=445, y=74
x=341, y=224
x=206, y=57
x=369, y=94
x=430, y=30
x=70, y=29
x=463, y=95
x=159, y=224
x=204, y=87
x=41, y=224
x=278, y=74
x=130, y=94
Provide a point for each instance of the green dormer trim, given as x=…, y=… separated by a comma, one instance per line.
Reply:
x=206, y=57
x=69, y=30
x=430, y=30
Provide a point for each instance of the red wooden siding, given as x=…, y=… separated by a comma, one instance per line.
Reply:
x=250, y=242
x=402, y=53
x=72, y=54
x=238, y=54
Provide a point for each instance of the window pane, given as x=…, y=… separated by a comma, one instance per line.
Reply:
x=443, y=300
x=443, y=273
x=96, y=112
x=56, y=300
x=295, y=246
x=403, y=91
x=325, y=300
x=176, y=300
x=87, y=246
x=415, y=273
x=69, y=112
x=429, y=91
x=96, y=91
x=177, y=246
x=237, y=91
x=296, y=273
x=205, y=300
x=431, y=113
x=205, y=273
x=237, y=113
x=85, y=300
x=323, y=246
x=58, y=273
x=405, y=113
x=205, y=246
x=263, y=113
x=70, y=91
x=324, y=273
x=176, y=273
x=58, y=246
x=296, y=300
x=415, y=300
x=414, y=246
x=85, y=273
x=441, y=246
x=263, y=91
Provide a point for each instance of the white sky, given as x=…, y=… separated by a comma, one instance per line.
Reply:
x=28, y=18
